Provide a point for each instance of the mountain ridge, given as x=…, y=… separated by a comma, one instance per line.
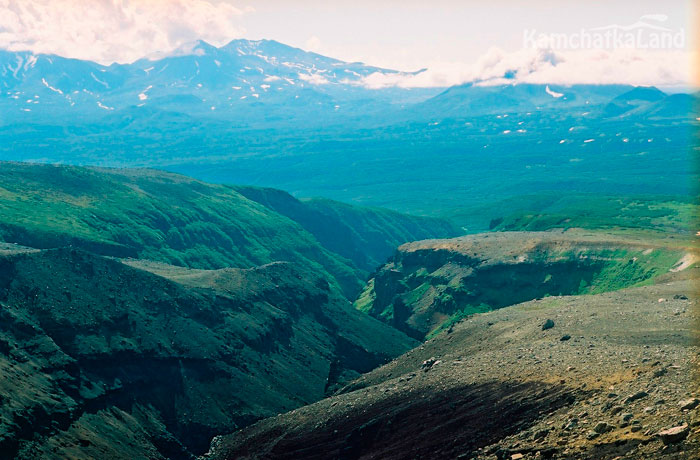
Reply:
x=234, y=77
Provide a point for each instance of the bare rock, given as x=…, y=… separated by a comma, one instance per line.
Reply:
x=675, y=434
x=636, y=396
x=602, y=427
x=689, y=404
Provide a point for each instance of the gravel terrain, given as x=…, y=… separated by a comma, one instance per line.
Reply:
x=612, y=372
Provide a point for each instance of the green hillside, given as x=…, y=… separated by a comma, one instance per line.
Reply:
x=367, y=236
x=173, y=219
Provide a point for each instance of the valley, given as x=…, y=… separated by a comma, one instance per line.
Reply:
x=253, y=251
x=120, y=340
x=106, y=360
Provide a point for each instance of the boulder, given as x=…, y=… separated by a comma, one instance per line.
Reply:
x=675, y=434
x=602, y=427
x=636, y=396
x=689, y=404
x=429, y=363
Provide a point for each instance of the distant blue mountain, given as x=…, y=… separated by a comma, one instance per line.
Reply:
x=259, y=83
x=475, y=99
x=652, y=103
x=242, y=77
x=632, y=99
x=673, y=106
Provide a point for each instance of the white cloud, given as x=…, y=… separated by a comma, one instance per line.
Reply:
x=114, y=30
x=623, y=66
x=313, y=44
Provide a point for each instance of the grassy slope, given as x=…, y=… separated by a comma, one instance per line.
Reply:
x=169, y=218
x=367, y=236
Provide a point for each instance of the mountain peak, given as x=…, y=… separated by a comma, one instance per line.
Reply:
x=642, y=93
x=197, y=48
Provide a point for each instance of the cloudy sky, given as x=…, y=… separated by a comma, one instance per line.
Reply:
x=456, y=40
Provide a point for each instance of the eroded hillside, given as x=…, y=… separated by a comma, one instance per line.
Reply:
x=103, y=360
x=429, y=285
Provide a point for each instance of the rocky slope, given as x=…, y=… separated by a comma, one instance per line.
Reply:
x=428, y=285
x=104, y=360
x=574, y=377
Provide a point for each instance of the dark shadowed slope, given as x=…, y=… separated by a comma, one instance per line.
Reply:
x=103, y=360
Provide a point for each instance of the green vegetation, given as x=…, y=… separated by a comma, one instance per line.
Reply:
x=180, y=221
x=651, y=216
x=366, y=299
x=625, y=268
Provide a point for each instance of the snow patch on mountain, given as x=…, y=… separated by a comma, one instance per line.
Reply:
x=103, y=83
x=554, y=94
x=55, y=90
x=314, y=79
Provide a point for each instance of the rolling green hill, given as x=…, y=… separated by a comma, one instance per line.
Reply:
x=173, y=219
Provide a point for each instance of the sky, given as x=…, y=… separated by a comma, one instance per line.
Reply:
x=455, y=40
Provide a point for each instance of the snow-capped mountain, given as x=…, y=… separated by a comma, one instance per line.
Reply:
x=247, y=82
x=194, y=78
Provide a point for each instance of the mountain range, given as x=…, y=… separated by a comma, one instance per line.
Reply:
x=250, y=81
x=197, y=78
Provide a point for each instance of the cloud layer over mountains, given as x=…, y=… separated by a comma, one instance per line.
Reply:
x=109, y=31
x=618, y=66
